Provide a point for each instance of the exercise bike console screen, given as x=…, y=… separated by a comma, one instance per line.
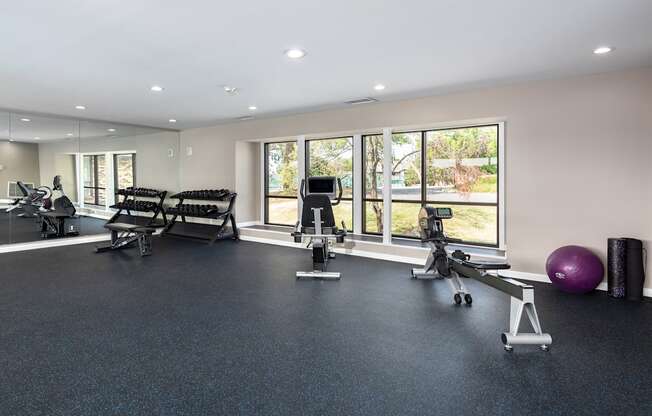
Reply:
x=324, y=185
x=444, y=213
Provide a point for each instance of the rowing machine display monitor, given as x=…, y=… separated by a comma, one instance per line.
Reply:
x=317, y=224
x=442, y=264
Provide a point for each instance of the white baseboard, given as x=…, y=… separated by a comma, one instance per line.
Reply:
x=247, y=224
x=69, y=241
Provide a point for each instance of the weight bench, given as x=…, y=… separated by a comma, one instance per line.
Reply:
x=126, y=236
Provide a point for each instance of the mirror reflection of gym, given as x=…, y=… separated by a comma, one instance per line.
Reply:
x=37, y=187
x=62, y=177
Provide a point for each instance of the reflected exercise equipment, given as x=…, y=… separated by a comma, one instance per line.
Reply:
x=32, y=201
x=442, y=265
x=53, y=220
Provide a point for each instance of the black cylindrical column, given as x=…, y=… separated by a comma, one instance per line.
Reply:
x=635, y=269
x=616, y=267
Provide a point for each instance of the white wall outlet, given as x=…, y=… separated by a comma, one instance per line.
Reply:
x=189, y=151
x=170, y=152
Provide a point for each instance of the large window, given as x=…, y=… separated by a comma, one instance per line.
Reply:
x=452, y=167
x=334, y=157
x=94, y=178
x=124, y=169
x=281, y=183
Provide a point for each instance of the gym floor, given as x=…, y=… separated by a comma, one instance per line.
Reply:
x=14, y=229
x=227, y=329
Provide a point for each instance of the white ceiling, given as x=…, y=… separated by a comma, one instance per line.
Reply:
x=106, y=54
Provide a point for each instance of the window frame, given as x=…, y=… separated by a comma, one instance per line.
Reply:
x=424, y=183
x=306, y=162
x=266, y=195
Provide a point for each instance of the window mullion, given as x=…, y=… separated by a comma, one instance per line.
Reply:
x=357, y=183
x=387, y=185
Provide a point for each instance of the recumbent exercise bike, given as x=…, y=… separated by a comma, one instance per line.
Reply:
x=319, y=194
x=440, y=264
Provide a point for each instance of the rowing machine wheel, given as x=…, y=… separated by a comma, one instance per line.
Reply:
x=468, y=299
x=457, y=298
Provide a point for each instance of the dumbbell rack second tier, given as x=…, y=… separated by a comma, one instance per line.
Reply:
x=131, y=206
x=178, y=226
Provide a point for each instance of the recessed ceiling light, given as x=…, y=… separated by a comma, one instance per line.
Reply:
x=69, y=134
x=253, y=107
x=172, y=120
x=156, y=88
x=80, y=107
x=602, y=50
x=230, y=90
x=295, y=53
x=25, y=119
x=379, y=87
x=110, y=130
x=11, y=140
x=37, y=138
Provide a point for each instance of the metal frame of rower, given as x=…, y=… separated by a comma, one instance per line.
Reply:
x=441, y=264
x=129, y=205
x=208, y=233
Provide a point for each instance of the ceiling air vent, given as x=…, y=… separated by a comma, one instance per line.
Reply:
x=365, y=100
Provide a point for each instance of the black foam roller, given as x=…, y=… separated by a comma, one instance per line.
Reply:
x=635, y=270
x=616, y=267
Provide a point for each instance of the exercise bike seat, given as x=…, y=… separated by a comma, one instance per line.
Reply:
x=482, y=265
x=122, y=227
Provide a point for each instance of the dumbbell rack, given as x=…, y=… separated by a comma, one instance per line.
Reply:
x=129, y=204
x=208, y=233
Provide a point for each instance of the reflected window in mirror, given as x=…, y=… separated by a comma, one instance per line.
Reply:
x=124, y=168
x=94, y=179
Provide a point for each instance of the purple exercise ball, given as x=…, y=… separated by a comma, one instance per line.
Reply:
x=574, y=269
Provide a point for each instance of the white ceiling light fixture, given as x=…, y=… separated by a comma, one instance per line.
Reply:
x=379, y=87
x=156, y=88
x=80, y=107
x=69, y=134
x=172, y=120
x=11, y=140
x=110, y=130
x=253, y=108
x=295, y=53
x=26, y=120
x=602, y=50
x=37, y=138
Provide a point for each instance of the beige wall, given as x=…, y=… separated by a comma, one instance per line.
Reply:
x=578, y=154
x=19, y=163
x=247, y=181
